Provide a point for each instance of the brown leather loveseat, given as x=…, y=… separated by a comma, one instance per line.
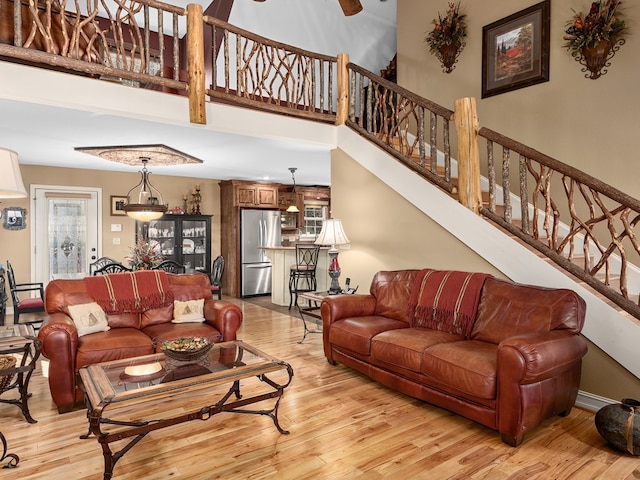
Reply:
x=130, y=334
x=518, y=363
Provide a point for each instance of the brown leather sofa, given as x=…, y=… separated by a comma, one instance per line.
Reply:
x=520, y=365
x=130, y=334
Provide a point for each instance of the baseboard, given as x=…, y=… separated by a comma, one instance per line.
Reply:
x=592, y=402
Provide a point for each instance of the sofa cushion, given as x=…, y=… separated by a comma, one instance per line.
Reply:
x=162, y=332
x=404, y=347
x=468, y=366
x=115, y=344
x=355, y=334
x=88, y=318
x=507, y=309
x=392, y=291
x=189, y=311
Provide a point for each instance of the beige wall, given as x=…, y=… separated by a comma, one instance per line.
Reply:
x=388, y=233
x=585, y=123
x=16, y=244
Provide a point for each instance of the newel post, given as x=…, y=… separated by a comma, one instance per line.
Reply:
x=466, y=118
x=195, y=64
x=342, y=108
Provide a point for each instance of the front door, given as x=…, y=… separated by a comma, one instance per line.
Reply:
x=66, y=233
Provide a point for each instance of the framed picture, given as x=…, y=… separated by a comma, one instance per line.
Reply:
x=15, y=218
x=515, y=50
x=117, y=205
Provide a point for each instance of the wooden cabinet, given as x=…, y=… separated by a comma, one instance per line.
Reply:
x=185, y=239
x=256, y=195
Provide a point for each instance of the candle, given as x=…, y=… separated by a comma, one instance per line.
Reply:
x=198, y=187
x=194, y=191
x=184, y=197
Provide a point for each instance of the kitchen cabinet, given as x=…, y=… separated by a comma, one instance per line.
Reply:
x=256, y=195
x=185, y=239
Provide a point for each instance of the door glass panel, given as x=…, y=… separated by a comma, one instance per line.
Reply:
x=67, y=235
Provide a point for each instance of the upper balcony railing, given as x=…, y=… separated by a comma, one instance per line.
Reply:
x=585, y=226
x=112, y=41
x=255, y=71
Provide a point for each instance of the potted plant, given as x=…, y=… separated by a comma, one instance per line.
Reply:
x=594, y=38
x=144, y=255
x=446, y=40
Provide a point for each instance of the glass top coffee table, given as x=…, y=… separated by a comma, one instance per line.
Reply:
x=127, y=399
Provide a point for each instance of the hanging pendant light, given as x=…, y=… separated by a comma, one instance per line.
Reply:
x=293, y=208
x=147, y=204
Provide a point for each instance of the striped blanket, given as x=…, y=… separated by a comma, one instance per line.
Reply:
x=445, y=300
x=131, y=291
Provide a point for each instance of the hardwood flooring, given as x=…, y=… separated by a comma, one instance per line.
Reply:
x=343, y=426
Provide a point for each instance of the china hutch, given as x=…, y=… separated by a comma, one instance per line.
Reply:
x=185, y=239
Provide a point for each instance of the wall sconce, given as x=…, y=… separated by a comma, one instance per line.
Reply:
x=11, y=185
x=147, y=204
x=293, y=208
x=333, y=234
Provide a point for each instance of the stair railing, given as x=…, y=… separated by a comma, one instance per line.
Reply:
x=395, y=119
x=584, y=225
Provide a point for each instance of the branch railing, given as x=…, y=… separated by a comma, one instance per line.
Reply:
x=413, y=129
x=104, y=39
x=582, y=224
x=255, y=71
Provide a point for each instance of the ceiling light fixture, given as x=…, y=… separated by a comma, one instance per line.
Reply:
x=147, y=204
x=293, y=208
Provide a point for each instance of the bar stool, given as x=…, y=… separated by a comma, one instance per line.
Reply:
x=303, y=271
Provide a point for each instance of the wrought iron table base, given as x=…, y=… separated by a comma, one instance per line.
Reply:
x=13, y=458
x=140, y=429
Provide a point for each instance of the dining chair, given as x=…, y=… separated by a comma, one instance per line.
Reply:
x=31, y=304
x=99, y=263
x=112, y=268
x=170, y=266
x=217, y=270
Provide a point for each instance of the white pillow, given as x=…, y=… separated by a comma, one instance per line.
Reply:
x=191, y=311
x=88, y=318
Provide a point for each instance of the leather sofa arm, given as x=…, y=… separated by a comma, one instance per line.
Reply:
x=343, y=306
x=59, y=343
x=225, y=316
x=526, y=359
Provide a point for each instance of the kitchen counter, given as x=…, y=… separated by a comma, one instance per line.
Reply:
x=281, y=260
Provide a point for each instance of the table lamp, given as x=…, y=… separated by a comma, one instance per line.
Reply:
x=11, y=185
x=333, y=234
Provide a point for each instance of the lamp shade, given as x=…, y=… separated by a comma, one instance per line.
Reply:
x=11, y=185
x=147, y=203
x=332, y=233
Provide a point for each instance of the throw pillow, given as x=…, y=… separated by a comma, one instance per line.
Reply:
x=189, y=311
x=88, y=318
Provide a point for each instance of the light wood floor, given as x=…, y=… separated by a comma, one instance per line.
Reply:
x=343, y=426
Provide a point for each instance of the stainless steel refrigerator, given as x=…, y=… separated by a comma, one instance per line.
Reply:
x=258, y=228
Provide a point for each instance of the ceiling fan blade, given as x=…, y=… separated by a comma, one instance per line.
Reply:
x=350, y=7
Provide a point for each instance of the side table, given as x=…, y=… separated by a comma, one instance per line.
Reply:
x=311, y=311
x=18, y=340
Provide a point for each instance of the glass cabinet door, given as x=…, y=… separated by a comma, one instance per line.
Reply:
x=163, y=232
x=185, y=239
x=195, y=238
